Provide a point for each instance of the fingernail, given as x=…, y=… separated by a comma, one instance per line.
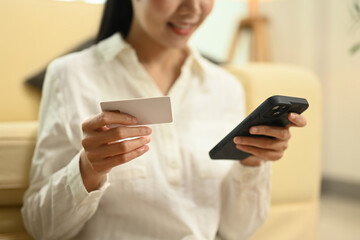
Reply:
x=133, y=120
x=237, y=140
x=254, y=130
x=147, y=138
x=148, y=130
x=292, y=115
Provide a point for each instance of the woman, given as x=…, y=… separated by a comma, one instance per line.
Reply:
x=87, y=184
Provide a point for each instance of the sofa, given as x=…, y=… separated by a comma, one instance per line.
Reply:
x=295, y=178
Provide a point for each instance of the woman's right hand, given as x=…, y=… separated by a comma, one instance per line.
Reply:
x=103, y=148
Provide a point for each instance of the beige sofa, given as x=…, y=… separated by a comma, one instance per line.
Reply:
x=296, y=178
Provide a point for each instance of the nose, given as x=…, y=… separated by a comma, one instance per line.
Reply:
x=190, y=7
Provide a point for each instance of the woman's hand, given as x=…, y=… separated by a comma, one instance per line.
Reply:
x=103, y=148
x=264, y=148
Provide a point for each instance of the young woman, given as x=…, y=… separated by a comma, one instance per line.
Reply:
x=86, y=184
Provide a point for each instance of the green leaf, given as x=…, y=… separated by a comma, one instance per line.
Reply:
x=355, y=48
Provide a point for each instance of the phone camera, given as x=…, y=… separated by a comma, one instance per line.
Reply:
x=275, y=108
x=276, y=113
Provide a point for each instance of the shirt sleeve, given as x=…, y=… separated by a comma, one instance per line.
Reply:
x=245, y=201
x=56, y=205
x=245, y=191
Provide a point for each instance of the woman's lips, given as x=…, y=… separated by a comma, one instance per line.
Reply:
x=182, y=28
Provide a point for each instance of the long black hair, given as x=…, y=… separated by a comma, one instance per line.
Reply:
x=117, y=17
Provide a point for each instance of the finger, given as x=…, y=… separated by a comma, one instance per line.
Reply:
x=262, y=142
x=261, y=153
x=114, y=161
x=109, y=150
x=297, y=120
x=115, y=134
x=271, y=131
x=108, y=118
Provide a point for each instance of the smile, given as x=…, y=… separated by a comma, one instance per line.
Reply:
x=182, y=28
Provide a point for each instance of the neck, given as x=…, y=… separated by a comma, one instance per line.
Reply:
x=151, y=53
x=162, y=63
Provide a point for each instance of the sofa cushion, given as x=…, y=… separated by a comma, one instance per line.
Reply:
x=15, y=236
x=11, y=220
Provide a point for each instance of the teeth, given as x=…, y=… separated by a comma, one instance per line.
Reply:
x=182, y=26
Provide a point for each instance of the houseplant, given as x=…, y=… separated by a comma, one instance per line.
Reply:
x=355, y=13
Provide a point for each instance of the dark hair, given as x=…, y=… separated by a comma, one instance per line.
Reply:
x=117, y=17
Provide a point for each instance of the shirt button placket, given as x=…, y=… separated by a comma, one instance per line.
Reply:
x=172, y=155
x=173, y=164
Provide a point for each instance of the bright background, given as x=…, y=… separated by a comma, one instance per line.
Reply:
x=316, y=34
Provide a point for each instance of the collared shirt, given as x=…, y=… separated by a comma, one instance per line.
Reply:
x=174, y=191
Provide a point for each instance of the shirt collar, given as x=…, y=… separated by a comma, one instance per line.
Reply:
x=113, y=46
x=110, y=47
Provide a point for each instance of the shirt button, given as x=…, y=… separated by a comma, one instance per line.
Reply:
x=173, y=164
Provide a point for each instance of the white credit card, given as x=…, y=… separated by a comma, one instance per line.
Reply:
x=147, y=110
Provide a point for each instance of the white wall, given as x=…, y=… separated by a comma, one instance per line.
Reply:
x=318, y=35
x=214, y=36
x=342, y=138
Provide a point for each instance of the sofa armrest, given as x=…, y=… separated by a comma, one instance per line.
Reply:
x=17, y=142
x=295, y=184
x=296, y=177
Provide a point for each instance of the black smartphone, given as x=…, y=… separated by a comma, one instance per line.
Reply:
x=273, y=111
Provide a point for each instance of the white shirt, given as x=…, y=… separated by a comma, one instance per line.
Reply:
x=174, y=191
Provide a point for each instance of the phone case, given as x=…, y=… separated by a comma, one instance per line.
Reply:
x=273, y=111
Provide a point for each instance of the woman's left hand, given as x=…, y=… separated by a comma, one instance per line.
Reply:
x=264, y=148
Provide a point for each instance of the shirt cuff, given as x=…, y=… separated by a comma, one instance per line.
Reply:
x=251, y=175
x=75, y=182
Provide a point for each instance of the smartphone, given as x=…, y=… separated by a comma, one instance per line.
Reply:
x=273, y=111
